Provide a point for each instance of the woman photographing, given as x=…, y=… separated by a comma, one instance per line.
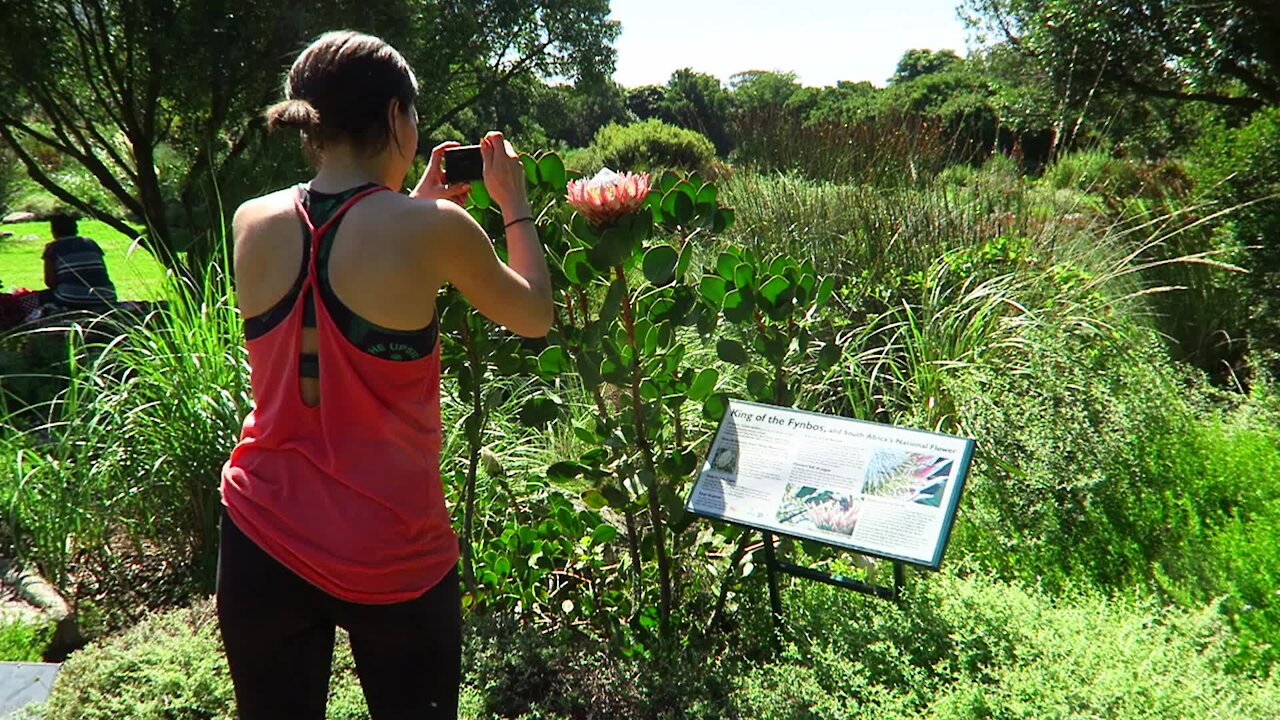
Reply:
x=334, y=511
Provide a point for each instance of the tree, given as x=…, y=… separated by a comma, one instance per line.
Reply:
x=159, y=100
x=571, y=114
x=698, y=101
x=648, y=102
x=917, y=63
x=760, y=89
x=1222, y=52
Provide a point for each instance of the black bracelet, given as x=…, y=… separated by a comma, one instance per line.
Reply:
x=518, y=220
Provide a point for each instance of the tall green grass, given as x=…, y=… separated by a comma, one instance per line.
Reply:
x=129, y=451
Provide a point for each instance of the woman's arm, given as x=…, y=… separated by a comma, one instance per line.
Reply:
x=516, y=295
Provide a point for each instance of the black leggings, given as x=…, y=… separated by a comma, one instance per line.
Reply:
x=278, y=631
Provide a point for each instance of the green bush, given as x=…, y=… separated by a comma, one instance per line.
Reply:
x=24, y=641
x=169, y=667
x=653, y=146
x=962, y=648
x=1094, y=171
x=1239, y=169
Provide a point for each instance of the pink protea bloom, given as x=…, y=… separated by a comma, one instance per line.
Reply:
x=608, y=196
x=835, y=516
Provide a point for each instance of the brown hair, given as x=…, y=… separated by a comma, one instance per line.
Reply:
x=338, y=90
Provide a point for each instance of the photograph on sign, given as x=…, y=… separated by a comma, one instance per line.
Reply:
x=872, y=488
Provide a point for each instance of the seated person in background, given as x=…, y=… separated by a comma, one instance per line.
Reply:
x=74, y=269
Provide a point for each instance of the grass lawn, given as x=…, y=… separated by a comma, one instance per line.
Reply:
x=137, y=275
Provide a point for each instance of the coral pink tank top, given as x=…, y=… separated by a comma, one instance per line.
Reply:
x=347, y=494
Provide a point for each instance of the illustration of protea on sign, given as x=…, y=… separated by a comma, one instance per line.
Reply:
x=608, y=196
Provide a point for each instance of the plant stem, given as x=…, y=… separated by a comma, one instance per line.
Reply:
x=473, y=460
x=730, y=574
x=646, y=453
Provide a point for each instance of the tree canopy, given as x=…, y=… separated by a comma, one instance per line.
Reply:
x=1222, y=52
x=160, y=100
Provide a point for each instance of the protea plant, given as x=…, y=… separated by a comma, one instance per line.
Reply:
x=608, y=196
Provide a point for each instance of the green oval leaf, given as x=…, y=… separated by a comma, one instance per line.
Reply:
x=714, y=407
x=659, y=264
x=703, y=384
x=577, y=268
x=825, y=289
x=731, y=351
x=738, y=306
x=773, y=288
x=561, y=471
x=684, y=207
x=530, y=168
x=725, y=264
x=743, y=276
x=539, y=411
x=603, y=534
x=480, y=195
x=685, y=259
x=724, y=220
x=707, y=194
x=594, y=500
x=668, y=180
x=552, y=173
x=713, y=290
x=758, y=386
x=612, y=303
x=554, y=360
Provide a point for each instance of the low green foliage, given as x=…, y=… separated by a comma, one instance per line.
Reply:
x=973, y=648
x=168, y=667
x=171, y=666
x=22, y=640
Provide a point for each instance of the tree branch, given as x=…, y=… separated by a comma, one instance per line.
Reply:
x=36, y=173
x=1249, y=103
x=89, y=162
x=485, y=89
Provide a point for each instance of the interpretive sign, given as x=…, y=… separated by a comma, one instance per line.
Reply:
x=871, y=488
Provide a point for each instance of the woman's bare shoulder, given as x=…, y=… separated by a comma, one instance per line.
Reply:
x=267, y=209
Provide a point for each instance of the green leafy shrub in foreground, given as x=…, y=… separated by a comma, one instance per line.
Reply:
x=652, y=146
x=24, y=641
x=171, y=667
x=168, y=667
x=972, y=648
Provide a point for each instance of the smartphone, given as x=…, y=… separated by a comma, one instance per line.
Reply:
x=463, y=164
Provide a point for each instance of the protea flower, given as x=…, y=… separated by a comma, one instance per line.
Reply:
x=834, y=515
x=608, y=196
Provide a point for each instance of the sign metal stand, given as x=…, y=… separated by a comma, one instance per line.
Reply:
x=774, y=566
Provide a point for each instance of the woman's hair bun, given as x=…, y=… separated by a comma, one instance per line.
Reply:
x=295, y=114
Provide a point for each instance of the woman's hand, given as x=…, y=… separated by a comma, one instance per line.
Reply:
x=432, y=185
x=504, y=175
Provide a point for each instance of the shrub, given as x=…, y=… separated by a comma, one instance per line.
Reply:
x=22, y=640
x=1093, y=171
x=1239, y=169
x=170, y=666
x=652, y=146
x=971, y=647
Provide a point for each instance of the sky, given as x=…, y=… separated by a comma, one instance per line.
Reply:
x=821, y=41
